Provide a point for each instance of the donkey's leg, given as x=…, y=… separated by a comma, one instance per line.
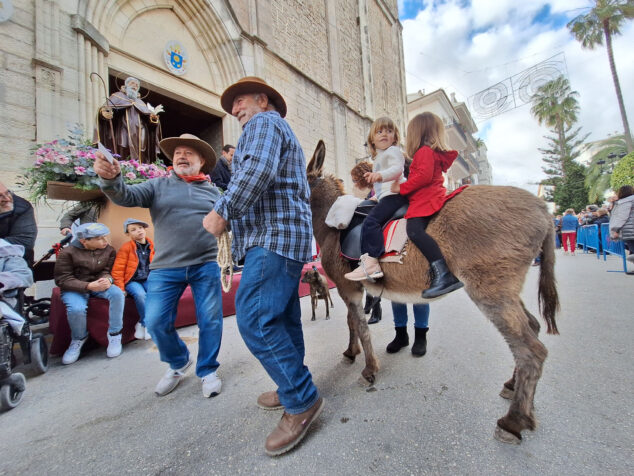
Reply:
x=509, y=386
x=371, y=362
x=529, y=354
x=353, y=344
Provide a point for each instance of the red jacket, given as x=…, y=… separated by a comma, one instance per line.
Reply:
x=126, y=263
x=424, y=187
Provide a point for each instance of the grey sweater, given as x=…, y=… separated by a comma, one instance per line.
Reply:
x=177, y=209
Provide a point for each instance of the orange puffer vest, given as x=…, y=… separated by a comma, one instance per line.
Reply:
x=126, y=263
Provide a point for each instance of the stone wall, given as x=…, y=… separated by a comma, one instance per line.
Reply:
x=338, y=63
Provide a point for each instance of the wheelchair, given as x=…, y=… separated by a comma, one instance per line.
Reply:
x=34, y=350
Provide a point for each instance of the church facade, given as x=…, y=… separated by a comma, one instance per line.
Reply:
x=338, y=63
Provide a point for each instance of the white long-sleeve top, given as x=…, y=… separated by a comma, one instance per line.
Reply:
x=389, y=163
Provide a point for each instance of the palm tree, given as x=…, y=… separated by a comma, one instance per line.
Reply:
x=603, y=161
x=605, y=21
x=556, y=106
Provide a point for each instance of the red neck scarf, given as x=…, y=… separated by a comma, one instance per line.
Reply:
x=201, y=177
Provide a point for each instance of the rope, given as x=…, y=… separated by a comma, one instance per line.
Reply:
x=224, y=261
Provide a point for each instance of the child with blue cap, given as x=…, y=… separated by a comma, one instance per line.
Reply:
x=83, y=270
x=132, y=268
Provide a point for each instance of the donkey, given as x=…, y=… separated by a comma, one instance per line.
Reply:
x=489, y=236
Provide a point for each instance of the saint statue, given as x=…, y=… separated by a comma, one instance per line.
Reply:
x=128, y=126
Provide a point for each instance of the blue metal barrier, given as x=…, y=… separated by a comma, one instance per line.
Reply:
x=581, y=238
x=612, y=247
x=592, y=238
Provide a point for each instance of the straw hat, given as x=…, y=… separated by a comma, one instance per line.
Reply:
x=252, y=85
x=205, y=150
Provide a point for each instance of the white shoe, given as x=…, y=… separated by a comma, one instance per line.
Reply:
x=114, y=346
x=139, y=331
x=369, y=268
x=211, y=385
x=171, y=379
x=74, y=349
x=147, y=335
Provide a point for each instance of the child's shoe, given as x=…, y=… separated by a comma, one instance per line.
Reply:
x=369, y=268
x=139, y=331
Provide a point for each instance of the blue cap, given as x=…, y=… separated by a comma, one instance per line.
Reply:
x=91, y=230
x=131, y=221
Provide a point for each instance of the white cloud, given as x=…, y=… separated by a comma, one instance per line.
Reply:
x=465, y=49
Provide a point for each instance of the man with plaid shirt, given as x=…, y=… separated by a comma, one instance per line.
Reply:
x=267, y=205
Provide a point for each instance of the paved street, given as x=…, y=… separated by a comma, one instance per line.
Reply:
x=433, y=415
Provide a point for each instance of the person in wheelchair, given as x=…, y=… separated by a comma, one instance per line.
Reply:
x=14, y=274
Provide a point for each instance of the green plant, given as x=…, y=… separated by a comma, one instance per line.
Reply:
x=623, y=173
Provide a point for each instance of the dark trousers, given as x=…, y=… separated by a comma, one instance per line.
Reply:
x=372, y=231
x=425, y=243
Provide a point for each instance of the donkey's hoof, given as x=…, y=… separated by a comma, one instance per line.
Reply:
x=367, y=378
x=506, y=437
x=507, y=393
x=348, y=357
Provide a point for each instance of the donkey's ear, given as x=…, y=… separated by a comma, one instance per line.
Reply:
x=316, y=165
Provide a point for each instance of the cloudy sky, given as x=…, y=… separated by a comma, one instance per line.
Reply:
x=465, y=46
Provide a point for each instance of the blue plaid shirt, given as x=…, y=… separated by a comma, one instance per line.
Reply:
x=267, y=198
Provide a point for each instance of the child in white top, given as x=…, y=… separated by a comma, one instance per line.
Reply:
x=388, y=165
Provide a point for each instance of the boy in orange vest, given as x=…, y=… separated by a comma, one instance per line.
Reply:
x=132, y=267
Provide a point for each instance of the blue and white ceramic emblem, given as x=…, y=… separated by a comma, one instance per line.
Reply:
x=176, y=57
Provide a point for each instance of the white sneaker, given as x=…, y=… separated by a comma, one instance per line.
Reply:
x=211, y=385
x=147, y=335
x=72, y=353
x=114, y=346
x=139, y=331
x=171, y=379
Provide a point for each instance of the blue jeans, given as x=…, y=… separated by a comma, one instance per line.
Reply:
x=165, y=287
x=138, y=291
x=76, y=304
x=421, y=315
x=269, y=319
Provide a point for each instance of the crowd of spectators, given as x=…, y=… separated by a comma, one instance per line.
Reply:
x=618, y=213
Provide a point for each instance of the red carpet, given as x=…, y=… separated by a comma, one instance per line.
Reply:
x=97, y=315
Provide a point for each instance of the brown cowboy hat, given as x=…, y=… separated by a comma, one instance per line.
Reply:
x=205, y=150
x=252, y=85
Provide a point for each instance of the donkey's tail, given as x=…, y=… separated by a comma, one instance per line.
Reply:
x=548, y=296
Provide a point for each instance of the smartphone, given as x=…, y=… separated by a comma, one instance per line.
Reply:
x=105, y=152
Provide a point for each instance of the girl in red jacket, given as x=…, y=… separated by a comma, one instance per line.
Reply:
x=132, y=267
x=426, y=193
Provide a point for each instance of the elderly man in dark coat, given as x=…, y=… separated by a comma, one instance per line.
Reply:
x=17, y=222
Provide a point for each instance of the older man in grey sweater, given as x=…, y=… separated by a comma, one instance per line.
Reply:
x=177, y=206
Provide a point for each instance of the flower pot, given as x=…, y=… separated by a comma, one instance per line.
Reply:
x=67, y=191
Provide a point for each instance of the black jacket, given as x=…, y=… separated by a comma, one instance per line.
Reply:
x=221, y=174
x=18, y=226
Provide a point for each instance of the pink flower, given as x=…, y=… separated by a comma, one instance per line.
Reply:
x=79, y=170
x=130, y=175
x=62, y=160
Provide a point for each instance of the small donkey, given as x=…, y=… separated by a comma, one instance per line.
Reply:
x=318, y=290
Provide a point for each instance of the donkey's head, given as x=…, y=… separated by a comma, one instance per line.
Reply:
x=324, y=190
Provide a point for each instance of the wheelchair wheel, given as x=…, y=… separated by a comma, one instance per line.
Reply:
x=12, y=391
x=38, y=312
x=39, y=354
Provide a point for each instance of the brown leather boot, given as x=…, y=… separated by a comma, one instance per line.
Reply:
x=269, y=401
x=291, y=429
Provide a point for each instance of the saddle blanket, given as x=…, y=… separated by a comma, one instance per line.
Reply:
x=395, y=237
